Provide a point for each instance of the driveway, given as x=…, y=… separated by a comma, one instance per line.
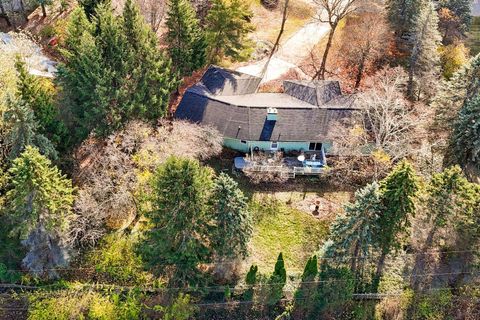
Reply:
x=291, y=53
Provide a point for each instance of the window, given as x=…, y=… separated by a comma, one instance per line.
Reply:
x=274, y=145
x=243, y=141
x=315, y=146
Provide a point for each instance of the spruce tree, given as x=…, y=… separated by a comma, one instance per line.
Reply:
x=154, y=79
x=180, y=219
x=250, y=281
x=424, y=58
x=354, y=234
x=465, y=141
x=402, y=14
x=186, y=41
x=40, y=203
x=38, y=94
x=311, y=269
x=233, y=220
x=464, y=85
x=277, y=281
x=127, y=76
x=86, y=84
x=399, y=192
x=23, y=130
x=227, y=30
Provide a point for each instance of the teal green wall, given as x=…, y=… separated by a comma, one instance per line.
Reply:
x=265, y=145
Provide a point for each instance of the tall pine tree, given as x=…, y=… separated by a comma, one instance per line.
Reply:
x=465, y=141
x=23, y=130
x=180, y=219
x=402, y=14
x=233, y=220
x=114, y=71
x=399, y=192
x=424, y=58
x=354, y=234
x=40, y=202
x=277, y=281
x=227, y=30
x=186, y=41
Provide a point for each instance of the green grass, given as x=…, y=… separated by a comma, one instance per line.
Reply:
x=280, y=228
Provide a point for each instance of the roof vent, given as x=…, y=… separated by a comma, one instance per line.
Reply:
x=272, y=114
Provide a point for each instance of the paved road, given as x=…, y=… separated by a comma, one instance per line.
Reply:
x=291, y=53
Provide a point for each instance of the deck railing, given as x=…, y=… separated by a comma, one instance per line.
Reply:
x=290, y=171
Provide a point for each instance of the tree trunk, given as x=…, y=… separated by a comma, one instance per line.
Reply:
x=4, y=13
x=321, y=72
x=277, y=42
x=44, y=11
x=353, y=262
x=379, y=271
x=361, y=68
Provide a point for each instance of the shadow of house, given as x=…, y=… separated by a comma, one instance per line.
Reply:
x=296, y=120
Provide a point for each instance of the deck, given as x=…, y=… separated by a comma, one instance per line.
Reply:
x=288, y=167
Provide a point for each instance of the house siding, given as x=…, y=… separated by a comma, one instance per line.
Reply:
x=238, y=145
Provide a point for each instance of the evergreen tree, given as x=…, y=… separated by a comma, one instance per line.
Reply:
x=402, y=14
x=86, y=84
x=463, y=85
x=335, y=289
x=186, y=41
x=250, y=281
x=305, y=292
x=180, y=219
x=451, y=198
x=154, y=79
x=227, y=29
x=311, y=269
x=40, y=203
x=465, y=141
x=424, y=58
x=354, y=234
x=114, y=71
x=23, y=130
x=89, y=6
x=399, y=191
x=233, y=220
x=38, y=94
x=462, y=9
x=277, y=281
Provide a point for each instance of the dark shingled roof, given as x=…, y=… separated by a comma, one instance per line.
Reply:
x=224, y=82
x=302, y=116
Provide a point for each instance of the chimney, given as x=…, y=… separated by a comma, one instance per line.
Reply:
x=272, y=114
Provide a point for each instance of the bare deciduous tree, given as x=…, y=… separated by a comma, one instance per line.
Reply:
x=112, y=173
x=153, y=11
x=331, y=12
x=363, y=43
x=388, y=117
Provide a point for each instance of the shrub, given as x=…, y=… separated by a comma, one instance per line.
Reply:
x=117, y=260
x=48, y=31
x=68, y=304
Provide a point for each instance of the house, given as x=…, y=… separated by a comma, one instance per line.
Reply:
x=296, y=120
